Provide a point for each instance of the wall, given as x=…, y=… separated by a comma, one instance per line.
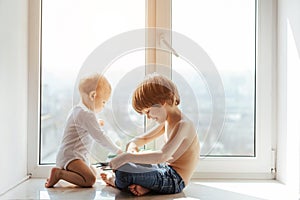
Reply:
x=13, y=92
x=288, y=93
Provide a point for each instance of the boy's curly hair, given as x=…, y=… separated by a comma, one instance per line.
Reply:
x=155, y=89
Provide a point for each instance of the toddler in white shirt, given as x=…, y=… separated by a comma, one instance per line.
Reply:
x=81, y=130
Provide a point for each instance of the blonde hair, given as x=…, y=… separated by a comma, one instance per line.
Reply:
x=155, y=89
x=95, y=82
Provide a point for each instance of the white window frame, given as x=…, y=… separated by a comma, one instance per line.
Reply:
x=34, y=43
x=262, y=166
x=227, y=167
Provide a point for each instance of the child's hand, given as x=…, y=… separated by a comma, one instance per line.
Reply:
x=101, y=122
x=132, y=148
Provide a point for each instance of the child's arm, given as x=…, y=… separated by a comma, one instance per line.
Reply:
x=149, y=136
x=180, y=140
x=92, y=125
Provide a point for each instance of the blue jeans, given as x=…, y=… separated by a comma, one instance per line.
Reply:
x=159, y=178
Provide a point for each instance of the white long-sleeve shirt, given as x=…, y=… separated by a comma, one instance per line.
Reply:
x=81, y=130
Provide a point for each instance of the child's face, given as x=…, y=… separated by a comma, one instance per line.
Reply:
x=100, y=100
x=156, y=112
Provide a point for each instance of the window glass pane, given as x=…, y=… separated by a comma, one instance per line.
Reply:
x=71, y=30
x=226, y=32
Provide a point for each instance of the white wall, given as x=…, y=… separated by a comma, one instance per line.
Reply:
x=289, y=93
x=13, y=92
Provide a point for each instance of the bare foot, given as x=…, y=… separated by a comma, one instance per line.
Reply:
x=53, y=179
x=108, y=178
x=138, y=190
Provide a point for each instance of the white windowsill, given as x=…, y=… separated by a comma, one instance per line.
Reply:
x=198, y=189
x=262, y=189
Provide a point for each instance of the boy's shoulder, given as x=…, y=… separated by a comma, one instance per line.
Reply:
x=186, y=121
x=185, y=124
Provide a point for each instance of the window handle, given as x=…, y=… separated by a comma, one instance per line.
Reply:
x=166, y=43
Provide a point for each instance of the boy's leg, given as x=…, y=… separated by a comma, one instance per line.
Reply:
x=131, y=174
x=159, y=178
x=109, y=179
x=77, y=173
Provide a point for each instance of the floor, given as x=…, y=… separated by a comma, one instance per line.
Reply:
x=197, y=189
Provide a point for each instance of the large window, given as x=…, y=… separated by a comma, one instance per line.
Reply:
x=71, y=31
x=225, y=30
x=231, y=36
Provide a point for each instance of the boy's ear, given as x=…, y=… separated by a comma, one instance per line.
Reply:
x=92, y=95
x=164, y=104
